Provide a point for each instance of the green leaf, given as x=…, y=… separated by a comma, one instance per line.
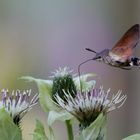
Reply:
x=133, y=137
x=39, y=132
x=45, y=94
x=8, y=130
x=86, y=85
x=96, y=131
x=61, y=116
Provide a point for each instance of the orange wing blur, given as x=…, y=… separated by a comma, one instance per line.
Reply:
x=124, y=47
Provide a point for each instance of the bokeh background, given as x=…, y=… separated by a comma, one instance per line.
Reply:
x=38, y=36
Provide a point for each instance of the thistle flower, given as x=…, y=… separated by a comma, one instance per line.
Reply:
x=87, y=106
x=17, y=104
x=61, y=72
x=63, y=80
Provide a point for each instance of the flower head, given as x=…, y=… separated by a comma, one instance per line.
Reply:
x=87, y=106
x=63, y=80
x=61, y=72
x=18, y=103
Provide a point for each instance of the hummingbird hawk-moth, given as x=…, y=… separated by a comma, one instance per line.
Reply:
x=121, y=54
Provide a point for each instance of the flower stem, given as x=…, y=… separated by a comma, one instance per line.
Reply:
x=69, y=130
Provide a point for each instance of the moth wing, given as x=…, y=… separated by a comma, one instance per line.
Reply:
x=124, y=47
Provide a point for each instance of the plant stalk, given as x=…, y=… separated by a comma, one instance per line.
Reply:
x=69, y=130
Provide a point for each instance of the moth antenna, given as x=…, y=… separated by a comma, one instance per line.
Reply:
x=88, y=49
x=79, y=72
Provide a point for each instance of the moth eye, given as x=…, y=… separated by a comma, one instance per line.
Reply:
x=99, y=57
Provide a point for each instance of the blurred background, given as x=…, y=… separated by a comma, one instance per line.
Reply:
x=37, y=37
